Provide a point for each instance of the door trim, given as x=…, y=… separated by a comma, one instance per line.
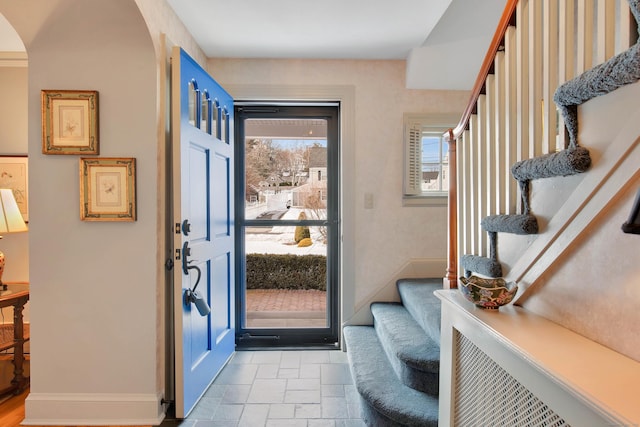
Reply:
x=260, y=337
x=345, y=94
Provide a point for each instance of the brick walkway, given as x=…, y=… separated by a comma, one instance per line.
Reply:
x=285, y=300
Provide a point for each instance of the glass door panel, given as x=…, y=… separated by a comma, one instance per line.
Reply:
x=287, y=226
x=286, y=282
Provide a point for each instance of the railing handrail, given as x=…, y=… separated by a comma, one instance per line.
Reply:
x=452, y=135
x=507, y=19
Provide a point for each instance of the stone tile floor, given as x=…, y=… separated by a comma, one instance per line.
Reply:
x=280, y=388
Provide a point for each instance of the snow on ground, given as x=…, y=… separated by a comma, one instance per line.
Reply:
x=280, y=240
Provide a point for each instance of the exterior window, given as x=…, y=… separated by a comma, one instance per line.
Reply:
x=426, y=159
x=434, y=163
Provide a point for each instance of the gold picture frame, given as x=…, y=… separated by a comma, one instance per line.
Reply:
x=14, y=174
x=108, y=189
x=70, y=122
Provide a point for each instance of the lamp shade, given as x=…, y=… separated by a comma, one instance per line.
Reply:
x=10, y=217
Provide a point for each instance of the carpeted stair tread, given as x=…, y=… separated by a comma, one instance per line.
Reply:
x=418, y=298
x=482, y=265
x=514, y=224
x=567, y=162
x=415, y=357
x=386, y=401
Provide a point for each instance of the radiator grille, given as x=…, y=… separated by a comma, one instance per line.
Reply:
x=487, y=395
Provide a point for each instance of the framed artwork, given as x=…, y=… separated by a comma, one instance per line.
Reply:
x=70, y=122
x=108, y=189
x=14, y=174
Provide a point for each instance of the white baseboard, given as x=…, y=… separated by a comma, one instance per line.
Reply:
x=93, y=409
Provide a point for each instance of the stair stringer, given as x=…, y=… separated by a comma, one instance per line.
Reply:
x=611, y=117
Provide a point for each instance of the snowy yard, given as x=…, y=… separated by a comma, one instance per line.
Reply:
x=280, y=240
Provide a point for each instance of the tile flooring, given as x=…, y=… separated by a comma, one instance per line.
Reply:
x=280, y=388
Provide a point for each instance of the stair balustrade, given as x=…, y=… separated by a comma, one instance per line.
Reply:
x=513, y=123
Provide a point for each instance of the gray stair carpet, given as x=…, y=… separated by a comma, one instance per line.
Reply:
x=570, y=161
x=415, y=357
x=385, y=400
x=622, y=69
x=418, y=298
x=514, y=224
x=479, y=264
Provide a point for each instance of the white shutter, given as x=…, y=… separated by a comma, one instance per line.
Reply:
x=413, y=156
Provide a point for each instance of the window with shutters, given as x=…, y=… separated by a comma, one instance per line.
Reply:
x=426, y=168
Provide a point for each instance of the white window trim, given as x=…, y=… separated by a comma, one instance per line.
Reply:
x=413, y=126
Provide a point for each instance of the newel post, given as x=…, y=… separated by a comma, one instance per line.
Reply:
x=451, y=279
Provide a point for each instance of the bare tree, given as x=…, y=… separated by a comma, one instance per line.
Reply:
x=258, y=166
x=317, y=208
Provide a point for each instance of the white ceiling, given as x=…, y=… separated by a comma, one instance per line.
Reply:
x=429, y=34
x=443, y=41
x=327, y=29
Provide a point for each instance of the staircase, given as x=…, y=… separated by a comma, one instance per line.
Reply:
x=520, y=149
x=524, y=170
x=395, y=363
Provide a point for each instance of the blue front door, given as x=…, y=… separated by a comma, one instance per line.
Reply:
x=202, y=127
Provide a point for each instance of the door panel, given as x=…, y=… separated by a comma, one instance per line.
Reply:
x=221, y=176
x=203, y=240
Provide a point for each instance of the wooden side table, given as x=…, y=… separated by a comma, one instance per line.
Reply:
x=14, y=336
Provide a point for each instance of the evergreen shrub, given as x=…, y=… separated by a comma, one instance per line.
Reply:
x=302, y=231
x=276, y=271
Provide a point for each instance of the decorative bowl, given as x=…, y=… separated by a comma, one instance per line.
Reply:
x=487, y=293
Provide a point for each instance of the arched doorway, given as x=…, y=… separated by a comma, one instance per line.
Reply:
x=95, y=287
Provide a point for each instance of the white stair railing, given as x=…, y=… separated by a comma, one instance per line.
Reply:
x=511, y=116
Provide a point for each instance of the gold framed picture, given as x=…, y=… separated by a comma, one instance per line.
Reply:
x=108, y=189
x=70, y=122
x=14, y=174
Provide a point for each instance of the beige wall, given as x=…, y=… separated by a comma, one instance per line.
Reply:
x=161, y=19
x=581, y=270
x=82, y=272
x=93, y=285
x=594, y=289
x=389, y=235
x=13, y=110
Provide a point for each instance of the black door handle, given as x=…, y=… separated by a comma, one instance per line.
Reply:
x=186, y=253
x=191, y=296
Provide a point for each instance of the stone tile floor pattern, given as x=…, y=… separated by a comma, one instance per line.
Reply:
x=280, y=388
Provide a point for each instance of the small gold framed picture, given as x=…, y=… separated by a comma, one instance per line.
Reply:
x=70, y=122
x=108, y=189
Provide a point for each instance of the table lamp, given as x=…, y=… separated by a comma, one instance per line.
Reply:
x=10, y=220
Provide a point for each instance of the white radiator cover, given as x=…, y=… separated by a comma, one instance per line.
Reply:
x=511, y=403
x=513, y=368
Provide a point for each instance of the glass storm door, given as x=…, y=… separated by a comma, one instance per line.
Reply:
x=287, y=225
